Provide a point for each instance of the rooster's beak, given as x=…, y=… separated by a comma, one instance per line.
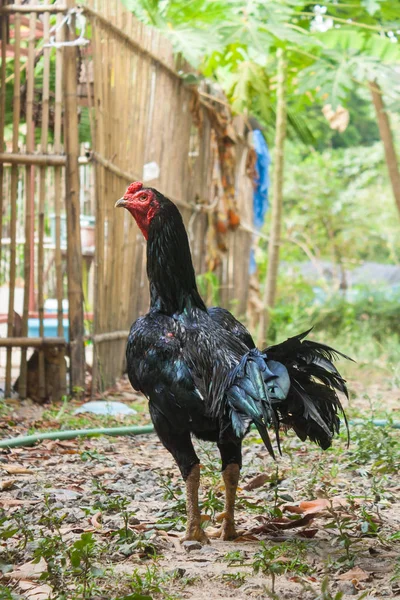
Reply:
x=120, y=202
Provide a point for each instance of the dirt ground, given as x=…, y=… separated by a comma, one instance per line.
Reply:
x=102, y=517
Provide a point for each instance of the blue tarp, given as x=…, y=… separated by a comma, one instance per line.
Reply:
x=260, y=195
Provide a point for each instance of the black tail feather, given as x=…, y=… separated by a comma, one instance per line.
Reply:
x=312, y=405
x=248, y=399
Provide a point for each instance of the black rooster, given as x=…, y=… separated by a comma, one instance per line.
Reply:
x=203, y=374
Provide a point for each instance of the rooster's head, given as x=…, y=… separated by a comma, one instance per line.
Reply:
x=142, y=203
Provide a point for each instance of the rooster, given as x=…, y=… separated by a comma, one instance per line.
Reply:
x=203, y=375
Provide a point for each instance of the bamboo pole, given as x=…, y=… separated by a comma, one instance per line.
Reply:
x=277, y=200
x=110, y=28
x=112, y=260
x=107, y=164
x=109, y=337
x=74, y=254
x=29, y=195
x=97, y=142
x=31, y=342
x=2, y=118
x=387, y=140
x=42, y=192
x=121, y=102
x=58, y=197
x=18, y=9
x=13, y=195
x=41, y=160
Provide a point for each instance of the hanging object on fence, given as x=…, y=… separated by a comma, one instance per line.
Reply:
x=338, y=119
x=260, y=196
x=258, y=169
x=81, y=24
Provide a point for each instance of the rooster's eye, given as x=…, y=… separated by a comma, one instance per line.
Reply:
x=143, y=197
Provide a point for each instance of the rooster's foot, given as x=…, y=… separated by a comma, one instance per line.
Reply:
x=226, y=532
x=195, y=533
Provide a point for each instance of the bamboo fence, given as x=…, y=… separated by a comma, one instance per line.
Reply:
x=140, y=112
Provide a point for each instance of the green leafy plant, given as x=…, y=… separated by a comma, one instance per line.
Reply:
x=235, y=558
x=281, y=558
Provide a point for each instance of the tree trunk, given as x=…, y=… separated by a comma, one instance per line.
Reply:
x=277, y=196
x=387, y=139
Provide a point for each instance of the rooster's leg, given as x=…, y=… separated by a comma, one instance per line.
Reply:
x=194, y=530
x=231, y=478
x=231, y=455
x=181, y=447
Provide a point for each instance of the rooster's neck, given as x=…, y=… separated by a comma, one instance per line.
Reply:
x=170, y=269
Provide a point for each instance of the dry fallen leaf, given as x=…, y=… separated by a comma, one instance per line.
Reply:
x=308, y=507
x=29, y=570
x=35, y=592
x=104, y=471
x=95, y=520
x=354, y=575
x=256, y=482
x=7, y=484
x=220, y=517
x=16, y=469
x=8, y=502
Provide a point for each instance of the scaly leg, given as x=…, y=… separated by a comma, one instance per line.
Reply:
x=231, y=455
x=181, y=447
x=194, y=530
x=231, y=478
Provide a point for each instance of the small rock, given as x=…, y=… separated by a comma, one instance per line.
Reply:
x=209, y=550
x=74, y=515
x=347, y=588
x=177, y=573
x=250, y=587
x=63, y=495
x=109, y=448
x=189, y=545
x=133, y=521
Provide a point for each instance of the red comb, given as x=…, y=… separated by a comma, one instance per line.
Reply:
x=134, y=187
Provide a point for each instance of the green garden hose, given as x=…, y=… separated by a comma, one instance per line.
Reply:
x=70, y=434
x=30, y=440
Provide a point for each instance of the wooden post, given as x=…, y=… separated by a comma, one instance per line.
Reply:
x=277, y=198
x=3, y=37
x=30, y=200
x=387, y=140
x=74, y=252
x=13, y=194
x=58, y=197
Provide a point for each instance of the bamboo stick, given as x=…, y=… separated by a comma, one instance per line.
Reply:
x=13, y=196
x=58, y=196
x=111, y=28
x=42, y=160
x=42, y=191
x=29, y=195
x=36, y=8
x=31, y=342
x=109, y=314
x=107, y=164
x=74, y=254
x=2, y=117
x=100, y=191
x=110, y=336
x=122, y=103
